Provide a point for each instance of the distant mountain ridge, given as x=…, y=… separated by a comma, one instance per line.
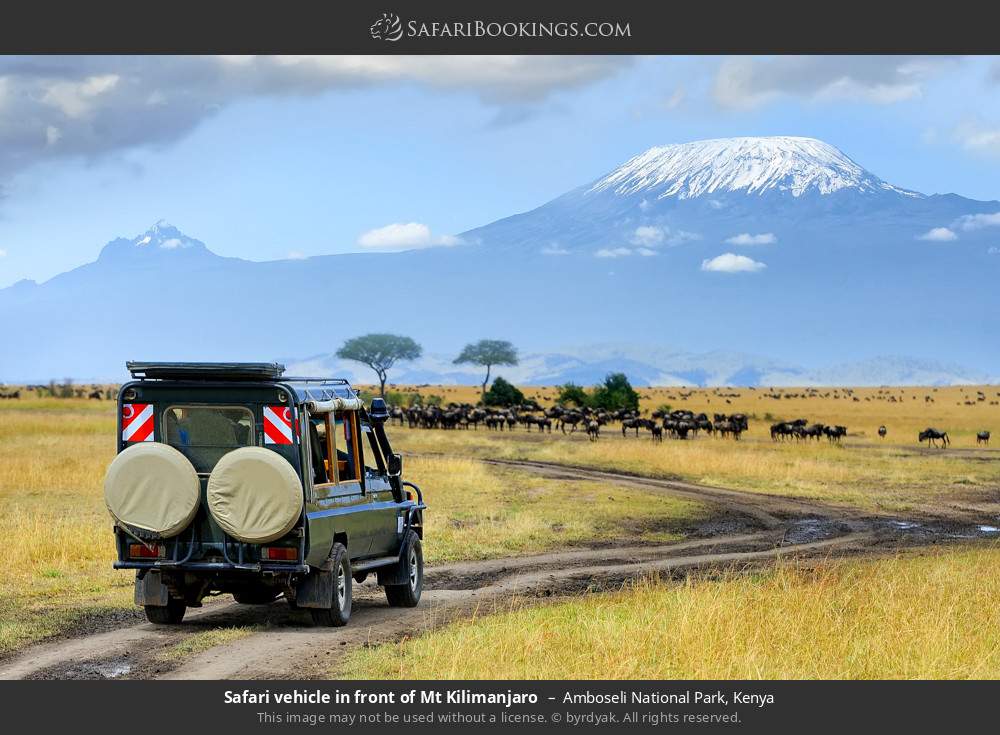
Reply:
x=656, y=367
x=783, y=247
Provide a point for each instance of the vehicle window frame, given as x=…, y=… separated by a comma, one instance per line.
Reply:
x=331, y=452
x=355, y=446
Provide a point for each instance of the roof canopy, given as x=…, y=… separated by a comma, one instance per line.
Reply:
x=206, y=370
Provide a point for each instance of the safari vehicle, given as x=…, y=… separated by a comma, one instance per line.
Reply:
x=231, y=478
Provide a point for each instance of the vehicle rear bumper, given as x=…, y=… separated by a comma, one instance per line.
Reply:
x=213, y=566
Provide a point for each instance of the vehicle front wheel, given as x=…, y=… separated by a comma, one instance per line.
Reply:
x=412, y=568
x=340, y=611
x=171, y=614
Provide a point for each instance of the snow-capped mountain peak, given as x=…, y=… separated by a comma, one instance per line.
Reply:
x=162, y=237
x=782, y=164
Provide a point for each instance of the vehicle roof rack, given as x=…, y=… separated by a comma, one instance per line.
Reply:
x=205, y=370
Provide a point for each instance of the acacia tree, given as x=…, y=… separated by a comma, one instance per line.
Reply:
x=380, y=352
x=487, y=353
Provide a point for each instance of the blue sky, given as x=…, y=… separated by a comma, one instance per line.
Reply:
x=266, y=158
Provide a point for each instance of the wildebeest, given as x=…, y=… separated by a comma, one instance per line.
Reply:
x=932, y=436
x=835, y=433
x=882, y=431
x=569, y=418
x=593, y=430
x=983, y=437
x=657, y=432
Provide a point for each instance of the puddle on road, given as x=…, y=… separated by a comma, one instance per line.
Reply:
x=808, y=530
x=112, y=670
x=989, y=529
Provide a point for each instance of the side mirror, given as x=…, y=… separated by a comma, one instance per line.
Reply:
x=394, y=464
x=378, y=411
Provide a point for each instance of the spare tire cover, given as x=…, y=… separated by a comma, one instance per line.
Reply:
x=255, y=495
x=153, y=487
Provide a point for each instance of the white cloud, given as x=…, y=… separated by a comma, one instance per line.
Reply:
x=3, y=253
x=612, y=253
x=648, y=235
x=993, y=250
x=97, y=105
x=745, y=238
x=172, y=244
x=744, y=82
x=674, y=101
x=645, y=252
x=978, y=137
x=554, y=250
x=295, y=255
x=971, y=222
x=732, y=263
x=644, y=205
x=938, y=234
x=409, y=236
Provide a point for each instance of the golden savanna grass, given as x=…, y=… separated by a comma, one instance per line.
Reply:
x=924, y=617
x=871, y=477
x=58, y=545
x=478, y=511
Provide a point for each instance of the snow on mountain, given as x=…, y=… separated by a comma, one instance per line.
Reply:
x=161, y=238
x=752, y=165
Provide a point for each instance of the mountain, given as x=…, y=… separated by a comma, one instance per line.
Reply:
x=783, y=247
x=588, y=365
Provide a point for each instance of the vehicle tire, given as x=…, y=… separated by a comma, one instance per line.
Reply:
x=408, y=594
x=340, y=611
x=255, y=596
x=171, y=614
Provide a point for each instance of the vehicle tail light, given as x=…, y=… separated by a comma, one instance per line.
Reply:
x=279, y=553
x=156, y=551
x=409, y=495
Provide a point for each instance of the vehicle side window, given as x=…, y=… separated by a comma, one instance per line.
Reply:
x=373, y=454
x=346, y=445
x=320, y=438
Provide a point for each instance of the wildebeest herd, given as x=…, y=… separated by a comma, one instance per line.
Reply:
x=802, y=429
x=679, y=424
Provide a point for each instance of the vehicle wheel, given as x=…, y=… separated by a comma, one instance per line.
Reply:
x=340, y=612
x=172, y=614
x=408, y=594
x=255, y=596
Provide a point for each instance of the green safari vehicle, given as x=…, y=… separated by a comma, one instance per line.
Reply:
x=231, y=478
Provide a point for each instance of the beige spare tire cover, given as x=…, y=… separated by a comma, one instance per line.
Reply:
x=255, y=495
x=152, y=487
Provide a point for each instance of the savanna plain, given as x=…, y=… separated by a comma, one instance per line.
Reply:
x=772, y=592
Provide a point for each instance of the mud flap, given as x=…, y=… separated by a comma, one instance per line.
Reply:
x=316, y=590
x=150, y=590
x=395, y=573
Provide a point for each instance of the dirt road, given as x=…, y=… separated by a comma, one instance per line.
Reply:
x=745, y=529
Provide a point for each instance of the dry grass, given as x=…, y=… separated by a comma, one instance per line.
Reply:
x=929, y=617
x=58, y=546
x=206, y=639
x=479, y=512
x=864, y=475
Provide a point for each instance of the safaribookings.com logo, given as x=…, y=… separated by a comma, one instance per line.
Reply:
x=390, y=28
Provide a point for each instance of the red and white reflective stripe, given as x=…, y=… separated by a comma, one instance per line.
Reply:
x=277, y=425
x=137, y=422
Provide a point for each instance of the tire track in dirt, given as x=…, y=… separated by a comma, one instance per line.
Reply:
x=288, y=648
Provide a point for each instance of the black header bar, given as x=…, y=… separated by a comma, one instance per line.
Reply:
x=513, y=26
